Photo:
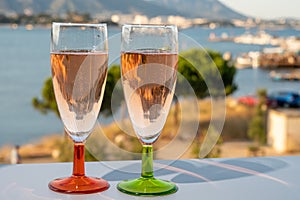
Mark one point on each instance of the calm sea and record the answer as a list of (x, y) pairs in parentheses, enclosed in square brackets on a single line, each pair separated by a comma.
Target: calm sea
[(24, 65)]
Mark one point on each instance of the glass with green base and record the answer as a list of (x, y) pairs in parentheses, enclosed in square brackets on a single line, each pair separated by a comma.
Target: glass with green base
[(149, 56), (147, 185)]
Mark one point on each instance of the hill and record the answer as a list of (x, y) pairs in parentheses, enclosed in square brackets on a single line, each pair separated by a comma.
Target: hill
[(211, 9)]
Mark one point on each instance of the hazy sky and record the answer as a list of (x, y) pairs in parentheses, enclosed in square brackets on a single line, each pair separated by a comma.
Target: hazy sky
[(266, 9)]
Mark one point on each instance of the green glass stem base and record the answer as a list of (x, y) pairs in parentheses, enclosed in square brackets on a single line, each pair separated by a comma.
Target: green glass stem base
[(147, 187)]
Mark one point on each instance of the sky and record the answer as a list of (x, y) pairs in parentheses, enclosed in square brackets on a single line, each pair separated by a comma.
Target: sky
[(266, 9)]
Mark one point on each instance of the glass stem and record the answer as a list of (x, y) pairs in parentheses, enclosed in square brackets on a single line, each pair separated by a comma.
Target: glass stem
[(147, 161), (78, 161)]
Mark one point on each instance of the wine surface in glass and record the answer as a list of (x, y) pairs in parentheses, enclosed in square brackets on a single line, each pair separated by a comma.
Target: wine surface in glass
[(79, 80), (149, 78)]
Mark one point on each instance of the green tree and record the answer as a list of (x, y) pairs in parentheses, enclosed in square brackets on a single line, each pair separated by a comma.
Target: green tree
[(113, 77), (195, 64), (257, 126), (47, 102), (201, 68)]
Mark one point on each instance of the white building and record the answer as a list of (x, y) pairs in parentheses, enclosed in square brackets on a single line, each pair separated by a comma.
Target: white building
[(283, 130)]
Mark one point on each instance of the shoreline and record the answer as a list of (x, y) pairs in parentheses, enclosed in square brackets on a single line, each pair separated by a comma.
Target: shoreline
[(39, 151), (42, 151)]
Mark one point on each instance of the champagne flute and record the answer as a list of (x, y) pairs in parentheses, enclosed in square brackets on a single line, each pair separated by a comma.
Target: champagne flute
[(149, 56), (79, 58)]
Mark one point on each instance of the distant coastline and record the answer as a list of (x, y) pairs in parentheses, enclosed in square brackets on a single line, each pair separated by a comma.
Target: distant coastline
[(45, 20)]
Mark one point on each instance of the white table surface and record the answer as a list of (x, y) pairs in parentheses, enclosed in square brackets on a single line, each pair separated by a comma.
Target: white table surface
[(267, 178)]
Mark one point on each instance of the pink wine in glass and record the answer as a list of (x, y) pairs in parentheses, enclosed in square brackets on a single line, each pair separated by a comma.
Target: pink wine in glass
[(149, 78), (79, 81)]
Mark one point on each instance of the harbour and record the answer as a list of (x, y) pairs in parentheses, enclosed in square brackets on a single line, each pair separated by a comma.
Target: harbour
[(276, 51)]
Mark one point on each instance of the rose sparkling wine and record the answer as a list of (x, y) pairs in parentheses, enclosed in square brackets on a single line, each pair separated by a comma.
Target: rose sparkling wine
[(79, 81), (149, 78)]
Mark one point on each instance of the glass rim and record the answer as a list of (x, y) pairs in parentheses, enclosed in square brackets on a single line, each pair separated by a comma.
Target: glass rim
[(150, 25), (79, 24)]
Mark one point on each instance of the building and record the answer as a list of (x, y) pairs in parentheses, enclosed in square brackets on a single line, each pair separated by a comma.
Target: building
[(283, 130)]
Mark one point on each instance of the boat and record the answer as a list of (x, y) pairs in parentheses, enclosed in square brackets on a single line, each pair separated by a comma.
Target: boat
[(248, 60), (287, 76), (261, 38), (243, 62)]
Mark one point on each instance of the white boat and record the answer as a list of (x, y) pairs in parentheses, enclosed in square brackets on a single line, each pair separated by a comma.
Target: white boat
[(248, 60), (243, 62)]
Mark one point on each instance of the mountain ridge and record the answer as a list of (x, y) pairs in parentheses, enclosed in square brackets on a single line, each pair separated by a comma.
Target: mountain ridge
[(211, 9)]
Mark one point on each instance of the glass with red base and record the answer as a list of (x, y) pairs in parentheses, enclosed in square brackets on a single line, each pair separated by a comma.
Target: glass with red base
[(149, 56), (79, 57)]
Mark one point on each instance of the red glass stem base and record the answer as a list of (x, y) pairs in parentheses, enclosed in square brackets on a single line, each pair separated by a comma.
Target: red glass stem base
[(78, 183)]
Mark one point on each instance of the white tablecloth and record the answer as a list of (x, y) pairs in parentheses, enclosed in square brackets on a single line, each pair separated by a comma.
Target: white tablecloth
[(267, 178)]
